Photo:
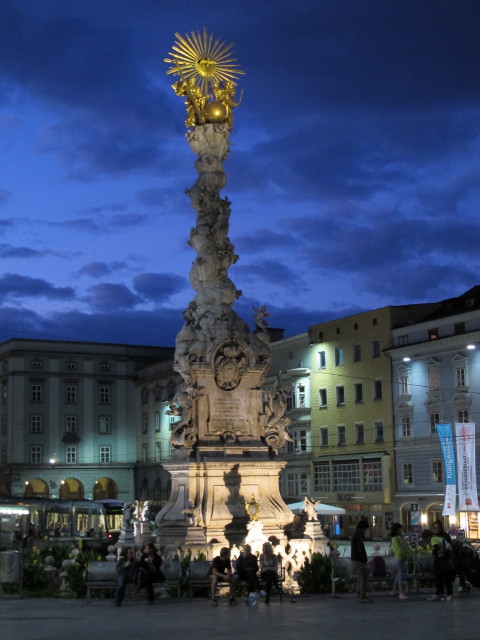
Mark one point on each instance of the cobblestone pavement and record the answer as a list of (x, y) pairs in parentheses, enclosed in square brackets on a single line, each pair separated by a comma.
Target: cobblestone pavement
[(303, 618)]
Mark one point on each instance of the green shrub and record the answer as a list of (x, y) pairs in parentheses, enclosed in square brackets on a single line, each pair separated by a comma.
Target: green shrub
[(316, 574)]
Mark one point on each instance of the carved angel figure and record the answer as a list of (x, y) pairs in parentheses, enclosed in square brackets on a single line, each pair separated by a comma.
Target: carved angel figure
[(194, 513), (260, 314), (310, 505), (226, 95)]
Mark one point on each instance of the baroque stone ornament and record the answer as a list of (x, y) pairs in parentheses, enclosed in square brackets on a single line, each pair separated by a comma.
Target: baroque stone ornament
[(230, 364)]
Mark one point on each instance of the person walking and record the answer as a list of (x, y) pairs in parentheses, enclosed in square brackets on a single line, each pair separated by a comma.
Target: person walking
[(402, 554), (359, 560)]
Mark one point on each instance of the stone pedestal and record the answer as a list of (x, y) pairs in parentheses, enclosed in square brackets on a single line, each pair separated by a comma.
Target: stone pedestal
[(313, 531), (221, 490)]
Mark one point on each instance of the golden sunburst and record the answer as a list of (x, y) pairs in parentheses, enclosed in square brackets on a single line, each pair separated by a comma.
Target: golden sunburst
[(207, 61)]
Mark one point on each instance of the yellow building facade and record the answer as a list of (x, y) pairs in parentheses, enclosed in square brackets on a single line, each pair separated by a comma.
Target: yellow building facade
[(352, 416)]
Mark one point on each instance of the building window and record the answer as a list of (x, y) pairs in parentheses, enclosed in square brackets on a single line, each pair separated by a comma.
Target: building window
[(71, 424), (71, 454), (35, 454), (323, 397), (377, 390), (158, 421), (339, 356), (358, 391), (297, 484), (324, 436), (321, 477), (402, 340), (346, 476), (4, 425), (435, 418), (71, 393), (406, 427), (375, 348), (372, 475), (462, 415), (104, 394), (103, 367), (459, 327), (340, 391), (300, 396), (4, 391), (144, 395), (105, 424), (36, 423), (460, 377), (145, 423), (437, 471), (322, 359), (407, 473), (289, 399), (158, 451), (433, 334), (404, 385), (299, 442), (357, 353), (342, 435), (36, 392), (157, 393), (144, 452), (71, 365), (433, 379), (360, 432), (37, 363), (105, 454), (379, 435)]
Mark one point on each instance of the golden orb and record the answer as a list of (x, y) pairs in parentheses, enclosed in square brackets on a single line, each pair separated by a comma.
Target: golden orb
[(215, 112)]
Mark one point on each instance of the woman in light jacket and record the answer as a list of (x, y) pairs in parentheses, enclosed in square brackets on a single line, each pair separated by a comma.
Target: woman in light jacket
[(402, 554)]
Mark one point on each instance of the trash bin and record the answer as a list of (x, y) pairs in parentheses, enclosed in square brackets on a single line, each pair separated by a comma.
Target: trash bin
[(11, 570)]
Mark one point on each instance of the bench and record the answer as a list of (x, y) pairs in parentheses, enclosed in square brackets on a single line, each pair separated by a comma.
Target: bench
[(342, 573), (100, 575), (103, 575), (199, 575)]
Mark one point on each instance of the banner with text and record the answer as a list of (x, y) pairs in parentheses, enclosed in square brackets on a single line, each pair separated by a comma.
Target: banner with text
[(446, 440), (467, 475)]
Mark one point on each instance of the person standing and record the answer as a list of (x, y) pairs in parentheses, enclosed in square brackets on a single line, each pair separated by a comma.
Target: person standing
[(402, 554), (443, 567), (359, 560)]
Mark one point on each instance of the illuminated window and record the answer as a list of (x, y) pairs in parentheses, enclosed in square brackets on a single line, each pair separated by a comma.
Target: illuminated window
[(407, 473), (321, 477), (437, 471), (346, 476), (340, 391), (71, 454), (338, 356)]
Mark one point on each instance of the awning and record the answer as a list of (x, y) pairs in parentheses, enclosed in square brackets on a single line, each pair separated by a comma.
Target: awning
[(352, 456), (321, 508)]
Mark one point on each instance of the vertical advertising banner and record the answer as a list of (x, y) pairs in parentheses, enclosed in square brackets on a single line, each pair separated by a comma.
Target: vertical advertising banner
[(467, 475), (446, 440)]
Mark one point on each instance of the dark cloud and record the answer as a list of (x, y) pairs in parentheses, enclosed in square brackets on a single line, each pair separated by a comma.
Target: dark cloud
[(7, 251), (106, 297), (17, 286), (262, 240), (270, 271), (158, 287), (101, 269)]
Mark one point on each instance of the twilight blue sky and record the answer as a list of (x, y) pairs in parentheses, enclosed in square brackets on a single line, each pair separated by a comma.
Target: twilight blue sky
[(354, 174)]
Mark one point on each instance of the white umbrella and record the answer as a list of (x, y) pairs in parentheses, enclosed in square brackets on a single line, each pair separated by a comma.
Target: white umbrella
[(321, 508)]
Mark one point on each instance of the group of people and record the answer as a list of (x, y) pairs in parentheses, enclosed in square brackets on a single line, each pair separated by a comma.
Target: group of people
[(147, 571), (438, 542), (247, 568), (143, 573)]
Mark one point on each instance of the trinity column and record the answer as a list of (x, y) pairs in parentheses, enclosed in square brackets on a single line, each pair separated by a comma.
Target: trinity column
[(228, 432)]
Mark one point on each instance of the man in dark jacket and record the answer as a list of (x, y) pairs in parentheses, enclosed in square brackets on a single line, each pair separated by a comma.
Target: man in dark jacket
[(359, 560), (247, 568)]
